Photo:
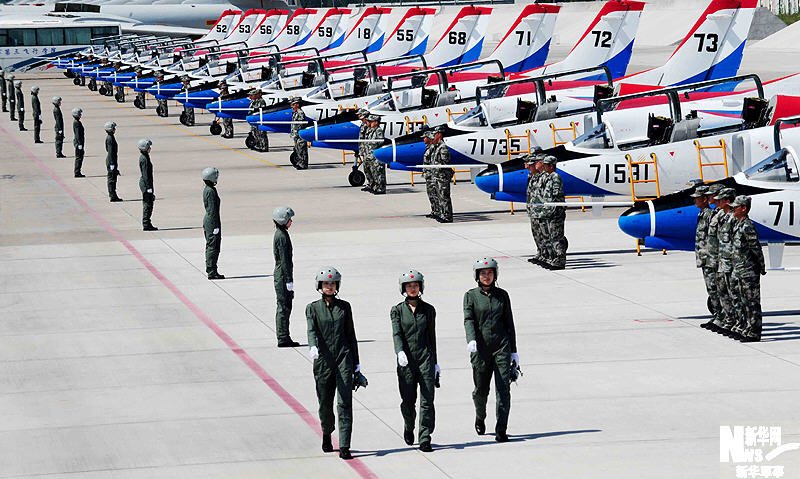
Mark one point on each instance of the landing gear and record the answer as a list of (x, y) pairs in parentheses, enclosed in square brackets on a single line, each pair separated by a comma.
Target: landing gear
[(356, 177), (215, 128)]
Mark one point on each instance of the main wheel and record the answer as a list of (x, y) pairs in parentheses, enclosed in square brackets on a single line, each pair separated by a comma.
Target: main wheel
[(184, 119), (215, 128), (293, 159), (137, 102), (250, 142), (103, 91), (356, 178), (76, 81)]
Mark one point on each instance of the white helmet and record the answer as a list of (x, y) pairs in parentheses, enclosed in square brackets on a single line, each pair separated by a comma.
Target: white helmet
[(211, 174), (110, 126), (77, 112), (18, 84), (484, 263), (411, 276), (35, 90), (282, 215), (144, 144), (328, 274), (56, 100)]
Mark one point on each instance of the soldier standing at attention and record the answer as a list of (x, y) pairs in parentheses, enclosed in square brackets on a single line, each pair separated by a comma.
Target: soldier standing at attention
[(300, 146), (12, 103), (227, 123), (3, 89), (362, 114), (414, 334), (78, 141), (162, 107), (212, 226), (58, 127), (719, 228), (112, 164), (552, 191), (492, 344), (146, 183), (257, 103), (534, 208), (440, 156), (700, 196), (283, 275), (20, 105), (427, 173), (187, 116), (748, 266), (36, 108), (374, 135), (333, 346)]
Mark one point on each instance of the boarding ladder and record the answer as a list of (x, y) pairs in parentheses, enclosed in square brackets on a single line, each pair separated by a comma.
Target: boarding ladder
[(573, 127), (634, 179), (451, 114), (701, 164)]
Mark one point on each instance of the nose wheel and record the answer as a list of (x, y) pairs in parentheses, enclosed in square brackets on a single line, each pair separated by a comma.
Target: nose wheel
[(356, 177)]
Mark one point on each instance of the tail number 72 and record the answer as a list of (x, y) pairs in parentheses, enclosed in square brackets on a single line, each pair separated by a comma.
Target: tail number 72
[(602, 38)]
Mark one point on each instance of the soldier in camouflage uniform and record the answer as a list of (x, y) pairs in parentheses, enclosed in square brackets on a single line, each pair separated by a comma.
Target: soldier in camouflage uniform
[(700, 196), (720, 227), (375, 135), (36, 109), (427, 138), (534, 207), (362, 114), (227, 123), (162, 108), (748, 265), (119, 93), (552, 191), (257, 103), (711, 251), (187, 116), (58, 127), (300, 146), (140, 101), (441, 178)]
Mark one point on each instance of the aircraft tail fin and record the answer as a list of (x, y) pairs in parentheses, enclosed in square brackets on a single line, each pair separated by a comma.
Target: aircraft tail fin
[(462, 40), (526, 44), (408, 36)]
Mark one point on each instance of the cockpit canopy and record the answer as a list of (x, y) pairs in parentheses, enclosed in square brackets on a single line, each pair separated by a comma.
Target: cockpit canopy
[(780, 167)]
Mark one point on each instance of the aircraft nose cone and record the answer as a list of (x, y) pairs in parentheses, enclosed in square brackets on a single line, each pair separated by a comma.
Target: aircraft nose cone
[(307, 134), (488, 180), (338, 131), (636, 221), (276, 121), (406, 153), (236, 109), (165, 91), (197, 99)]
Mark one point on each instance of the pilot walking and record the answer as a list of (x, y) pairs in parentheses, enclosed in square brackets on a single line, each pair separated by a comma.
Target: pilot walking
[(414, 336), (146, 183), (374, 135), (535, 209), (78, 141), (333, 347), (58, 127), (701, 255), (440, 177), (36, 109), (112, 161), (20, 105), (212, 225), (492, 344), (283, 275), (748, 266), (552, 191), (299, 122)]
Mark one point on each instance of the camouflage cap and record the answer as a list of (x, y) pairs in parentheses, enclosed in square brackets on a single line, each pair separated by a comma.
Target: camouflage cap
[(726, 193), (439, 129), (530, 159), (294, 99), (373, 118), (699, 191), (254, 91), (428, 134), (741, 200), (713, 190), (549, 160)]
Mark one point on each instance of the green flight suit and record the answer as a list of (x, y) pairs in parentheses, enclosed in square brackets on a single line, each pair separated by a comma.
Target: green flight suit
[(112, 167), (284, 273), (12, 102), (146, 186), (36, 109), (58, 129), (489, 322), (331, 331), (211, 222), (21, 109), (78, 141), (3, 90), (415, 335)]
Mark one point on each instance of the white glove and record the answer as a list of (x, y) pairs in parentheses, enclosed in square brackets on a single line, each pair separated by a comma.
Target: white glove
[(112, 168), (215, 232), (472, 347), (150, 190), (437, 369), (358, 367), (80, 147), (60, 132), (22, 109), (515, 358), (402, 360), (290, 286), (313, 352)]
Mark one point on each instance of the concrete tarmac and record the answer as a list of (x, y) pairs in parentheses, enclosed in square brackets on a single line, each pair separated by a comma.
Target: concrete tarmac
[(119, 359)]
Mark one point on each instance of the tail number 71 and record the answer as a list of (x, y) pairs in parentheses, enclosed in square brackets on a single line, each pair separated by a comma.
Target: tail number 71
[(780, 206)]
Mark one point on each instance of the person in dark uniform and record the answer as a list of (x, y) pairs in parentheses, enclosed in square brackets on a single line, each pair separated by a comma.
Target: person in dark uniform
[(187, 115), (58, 127), (300, 145), (112, 161), (78, 141), (492, 344), (283, 275), (333, 346), (227, 122), (414, 335), (146, 183), (3, 89), (12, 102), (36, 109), (212, 226), (20, 105)]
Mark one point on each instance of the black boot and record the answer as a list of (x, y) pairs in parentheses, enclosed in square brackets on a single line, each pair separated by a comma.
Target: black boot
[(425, 446), (344, 453), (408, 436), (501, 437), (327, 445), (288, 343), (480, 427)]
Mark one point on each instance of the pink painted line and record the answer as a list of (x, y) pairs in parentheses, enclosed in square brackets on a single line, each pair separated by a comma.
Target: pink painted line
[(357, 465)]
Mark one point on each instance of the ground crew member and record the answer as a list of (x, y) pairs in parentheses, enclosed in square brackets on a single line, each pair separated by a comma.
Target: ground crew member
[(257, 103), (333, 346), (227, 123), (58, 127), (112, 164), (362, 114), (748, 265), (140, 100), (719, 227), (119, 91), (36, 108), (162, 107), (427, 138), (3, 89), (535, 211), (299, 122), (187, 116), (78, 141), (441, 177), (700, 196), (374, 134), (492, 344), (552, 191), (414, 335), (283, 275), (20, 105), (212, 226), (12, 102), (146, 183)]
